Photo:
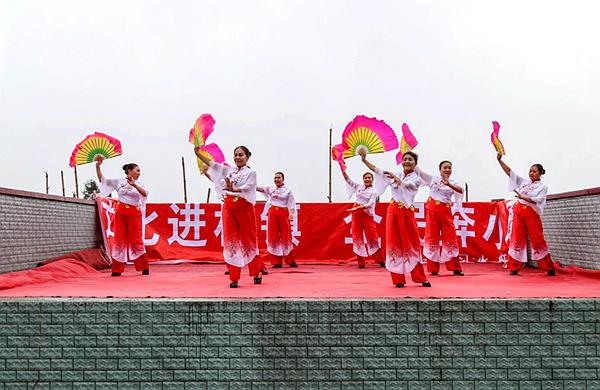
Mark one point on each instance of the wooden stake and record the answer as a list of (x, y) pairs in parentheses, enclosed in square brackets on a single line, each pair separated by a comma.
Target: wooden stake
[(208, 196), (184, 181), (466, 192), (62, 180), (47, 186), (76, 182)]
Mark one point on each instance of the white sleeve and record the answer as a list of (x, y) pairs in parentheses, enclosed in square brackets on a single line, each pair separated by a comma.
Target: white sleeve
[(412, 184), (248, 189), (263, 189), (107, 186), (372, 201), (351, 187), (381, 181), (540, 197), (514, 181), (143, 188), (426, 177), (291, 203), (217, 172)]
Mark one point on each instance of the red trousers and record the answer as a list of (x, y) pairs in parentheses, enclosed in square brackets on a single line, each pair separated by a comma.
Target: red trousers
[(239, 235), (403, 246), (441, 245), (128, 243), (254, 268), (279, 231), (417, 275), (526, 220), (365, 241)]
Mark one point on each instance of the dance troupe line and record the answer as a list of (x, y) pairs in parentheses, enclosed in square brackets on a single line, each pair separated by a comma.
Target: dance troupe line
[(237, 186)]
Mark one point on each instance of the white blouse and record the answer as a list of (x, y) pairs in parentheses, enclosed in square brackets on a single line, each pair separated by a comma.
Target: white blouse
[(437, 189), (402, 193), (126, 193), (279, 197), (243, 178), (366, 196), (535, 190)]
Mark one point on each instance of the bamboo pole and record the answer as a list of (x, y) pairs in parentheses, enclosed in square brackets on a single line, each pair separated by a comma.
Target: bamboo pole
[(184, 180), (76, 182), (329, 159), (62, 180)]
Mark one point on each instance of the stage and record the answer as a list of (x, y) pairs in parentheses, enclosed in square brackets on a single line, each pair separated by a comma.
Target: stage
[(308, 281)]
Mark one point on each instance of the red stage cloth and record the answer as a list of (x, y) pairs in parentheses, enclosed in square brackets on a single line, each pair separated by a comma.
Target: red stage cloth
[(200, 280)]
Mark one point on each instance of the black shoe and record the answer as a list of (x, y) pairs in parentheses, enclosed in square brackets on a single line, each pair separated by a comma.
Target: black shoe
[(426, 284), (514, 272), (434, 273), (264, 271), (458, 273), (294, 265), (257, 280), (146, 272), (382, 264), (115, 274), (226, 272), (399, 285), (233, 285), (278, 266), (552, 273), (361, 266)]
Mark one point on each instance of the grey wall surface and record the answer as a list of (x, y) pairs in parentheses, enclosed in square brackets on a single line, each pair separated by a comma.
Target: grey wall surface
[(572, 227), (358, 344), (36, 227)]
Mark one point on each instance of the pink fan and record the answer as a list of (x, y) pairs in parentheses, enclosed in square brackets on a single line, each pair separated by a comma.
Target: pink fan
[(337, 154), (407, 143), (203, 127), (370, 134), (213, 153)]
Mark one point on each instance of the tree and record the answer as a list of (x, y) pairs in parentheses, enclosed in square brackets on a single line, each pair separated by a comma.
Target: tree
[(89, 188)]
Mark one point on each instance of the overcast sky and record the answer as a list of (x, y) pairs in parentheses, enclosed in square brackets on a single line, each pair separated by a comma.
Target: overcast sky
[(276, 75)]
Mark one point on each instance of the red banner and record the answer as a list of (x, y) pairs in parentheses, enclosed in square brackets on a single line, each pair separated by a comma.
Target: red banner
[(321, 231)]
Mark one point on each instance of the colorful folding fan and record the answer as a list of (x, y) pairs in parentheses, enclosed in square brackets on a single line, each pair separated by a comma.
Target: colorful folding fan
[(94, 145), (370, 134), (204, 125), (495, 140), (213, 153), (407, 143)]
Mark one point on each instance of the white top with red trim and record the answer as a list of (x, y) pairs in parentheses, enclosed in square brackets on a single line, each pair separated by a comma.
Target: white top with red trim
[(437, 189), (279, 196), (243, 178), (402, 193), (536, 190), (126, 192), (365, 196)]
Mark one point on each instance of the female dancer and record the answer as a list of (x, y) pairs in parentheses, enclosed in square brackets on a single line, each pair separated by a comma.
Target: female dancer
[(531, 199), (439, 221), (403, 252), (365, 241), (282, 208), (129, 243), (239, 220)]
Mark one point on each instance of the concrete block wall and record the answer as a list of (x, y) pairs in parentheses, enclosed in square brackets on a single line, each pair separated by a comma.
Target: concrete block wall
[(36, 227), (572, 227), (317, 344)]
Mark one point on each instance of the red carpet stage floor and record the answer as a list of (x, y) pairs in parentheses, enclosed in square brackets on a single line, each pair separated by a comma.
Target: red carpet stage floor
[(201, 280)]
